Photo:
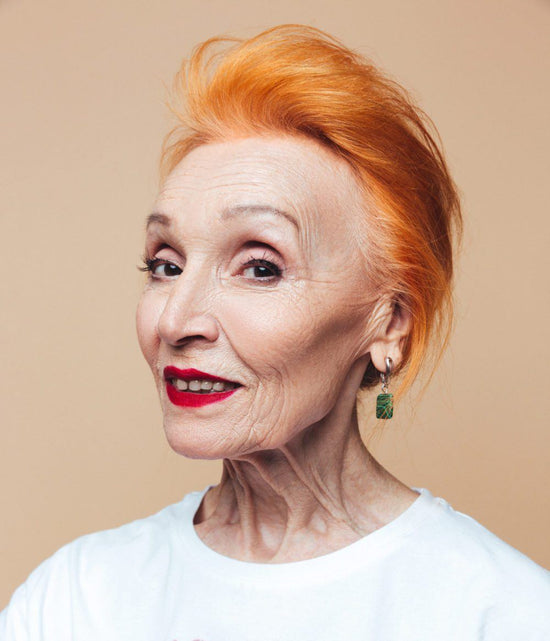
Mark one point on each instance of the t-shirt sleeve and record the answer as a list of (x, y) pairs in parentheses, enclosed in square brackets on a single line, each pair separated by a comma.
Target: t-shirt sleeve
[(513, 627), (40, 608), (13, 619), (523, 608)]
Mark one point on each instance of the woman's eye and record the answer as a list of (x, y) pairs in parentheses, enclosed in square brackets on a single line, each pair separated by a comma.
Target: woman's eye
[(261, 269), (161, 268), (166, 270)]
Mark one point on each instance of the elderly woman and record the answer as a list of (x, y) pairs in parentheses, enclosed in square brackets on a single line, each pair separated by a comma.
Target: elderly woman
[(300, 251)]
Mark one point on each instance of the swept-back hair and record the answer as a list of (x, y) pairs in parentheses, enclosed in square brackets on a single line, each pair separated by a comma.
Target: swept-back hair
[(296, 80)]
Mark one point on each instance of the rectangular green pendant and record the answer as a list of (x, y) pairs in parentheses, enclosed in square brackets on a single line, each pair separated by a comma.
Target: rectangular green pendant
[(384, 406)]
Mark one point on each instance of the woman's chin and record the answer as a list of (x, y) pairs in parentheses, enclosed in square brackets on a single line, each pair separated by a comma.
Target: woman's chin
[(199, 443)]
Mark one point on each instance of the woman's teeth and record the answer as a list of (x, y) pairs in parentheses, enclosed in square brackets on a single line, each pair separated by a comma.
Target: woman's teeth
[(202, 386)]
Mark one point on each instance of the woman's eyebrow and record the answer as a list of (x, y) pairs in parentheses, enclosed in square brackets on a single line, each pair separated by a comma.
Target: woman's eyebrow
[(155, 217), (258, 209), (163, 219)]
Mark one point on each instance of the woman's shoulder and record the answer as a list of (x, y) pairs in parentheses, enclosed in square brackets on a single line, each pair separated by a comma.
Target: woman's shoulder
[(102, 563), (125, 542), (464, 537), (459, 566), (484, 561)]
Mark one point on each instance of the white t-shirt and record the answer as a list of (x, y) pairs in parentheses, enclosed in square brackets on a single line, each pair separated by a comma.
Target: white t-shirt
[(432, 574)]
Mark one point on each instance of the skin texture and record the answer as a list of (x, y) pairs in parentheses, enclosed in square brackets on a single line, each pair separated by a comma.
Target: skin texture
[(297, 481)]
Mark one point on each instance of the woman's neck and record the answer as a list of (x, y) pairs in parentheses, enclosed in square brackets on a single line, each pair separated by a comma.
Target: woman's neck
[(316, 494)]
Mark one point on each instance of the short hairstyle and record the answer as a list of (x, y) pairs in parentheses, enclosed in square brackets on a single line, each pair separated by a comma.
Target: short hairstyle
[(297, 80)]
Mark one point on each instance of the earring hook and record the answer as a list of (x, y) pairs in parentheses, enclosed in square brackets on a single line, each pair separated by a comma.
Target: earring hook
[(385, 377)]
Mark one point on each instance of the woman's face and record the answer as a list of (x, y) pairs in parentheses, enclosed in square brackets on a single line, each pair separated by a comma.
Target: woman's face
[(256, 278)]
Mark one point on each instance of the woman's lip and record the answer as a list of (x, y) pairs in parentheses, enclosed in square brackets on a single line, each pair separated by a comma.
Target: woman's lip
[(190, 374)]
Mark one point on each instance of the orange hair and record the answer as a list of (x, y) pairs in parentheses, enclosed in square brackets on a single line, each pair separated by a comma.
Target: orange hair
[(297, 80)]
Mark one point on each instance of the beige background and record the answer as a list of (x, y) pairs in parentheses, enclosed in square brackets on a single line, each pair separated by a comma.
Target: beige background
[(82, 116)]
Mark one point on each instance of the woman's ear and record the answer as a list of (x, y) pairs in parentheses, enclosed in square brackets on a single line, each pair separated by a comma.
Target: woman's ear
[(394, 326)]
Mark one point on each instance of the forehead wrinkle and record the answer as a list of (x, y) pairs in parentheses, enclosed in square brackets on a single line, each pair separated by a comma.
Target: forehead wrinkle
[(236, 194), (254, 209)]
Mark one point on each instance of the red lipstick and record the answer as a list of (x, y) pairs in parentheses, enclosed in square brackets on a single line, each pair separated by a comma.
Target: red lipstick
[(185, 398)]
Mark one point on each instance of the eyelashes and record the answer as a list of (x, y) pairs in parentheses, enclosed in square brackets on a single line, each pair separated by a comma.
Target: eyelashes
[(262, 269), (146, 264)]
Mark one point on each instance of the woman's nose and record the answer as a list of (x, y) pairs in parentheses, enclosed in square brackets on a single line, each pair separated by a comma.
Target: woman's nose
[(186, 316)]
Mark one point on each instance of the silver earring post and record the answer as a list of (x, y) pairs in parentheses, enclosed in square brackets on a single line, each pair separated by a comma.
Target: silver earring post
[(385, 377)]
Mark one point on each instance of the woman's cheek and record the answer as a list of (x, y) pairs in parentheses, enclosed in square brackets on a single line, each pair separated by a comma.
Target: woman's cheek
[(147, 315), (262, 326)]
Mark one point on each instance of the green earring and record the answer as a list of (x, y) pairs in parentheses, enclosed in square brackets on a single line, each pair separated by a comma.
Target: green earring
[(384, 401)]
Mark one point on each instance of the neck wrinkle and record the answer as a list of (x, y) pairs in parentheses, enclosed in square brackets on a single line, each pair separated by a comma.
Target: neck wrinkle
[(272, 500)]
